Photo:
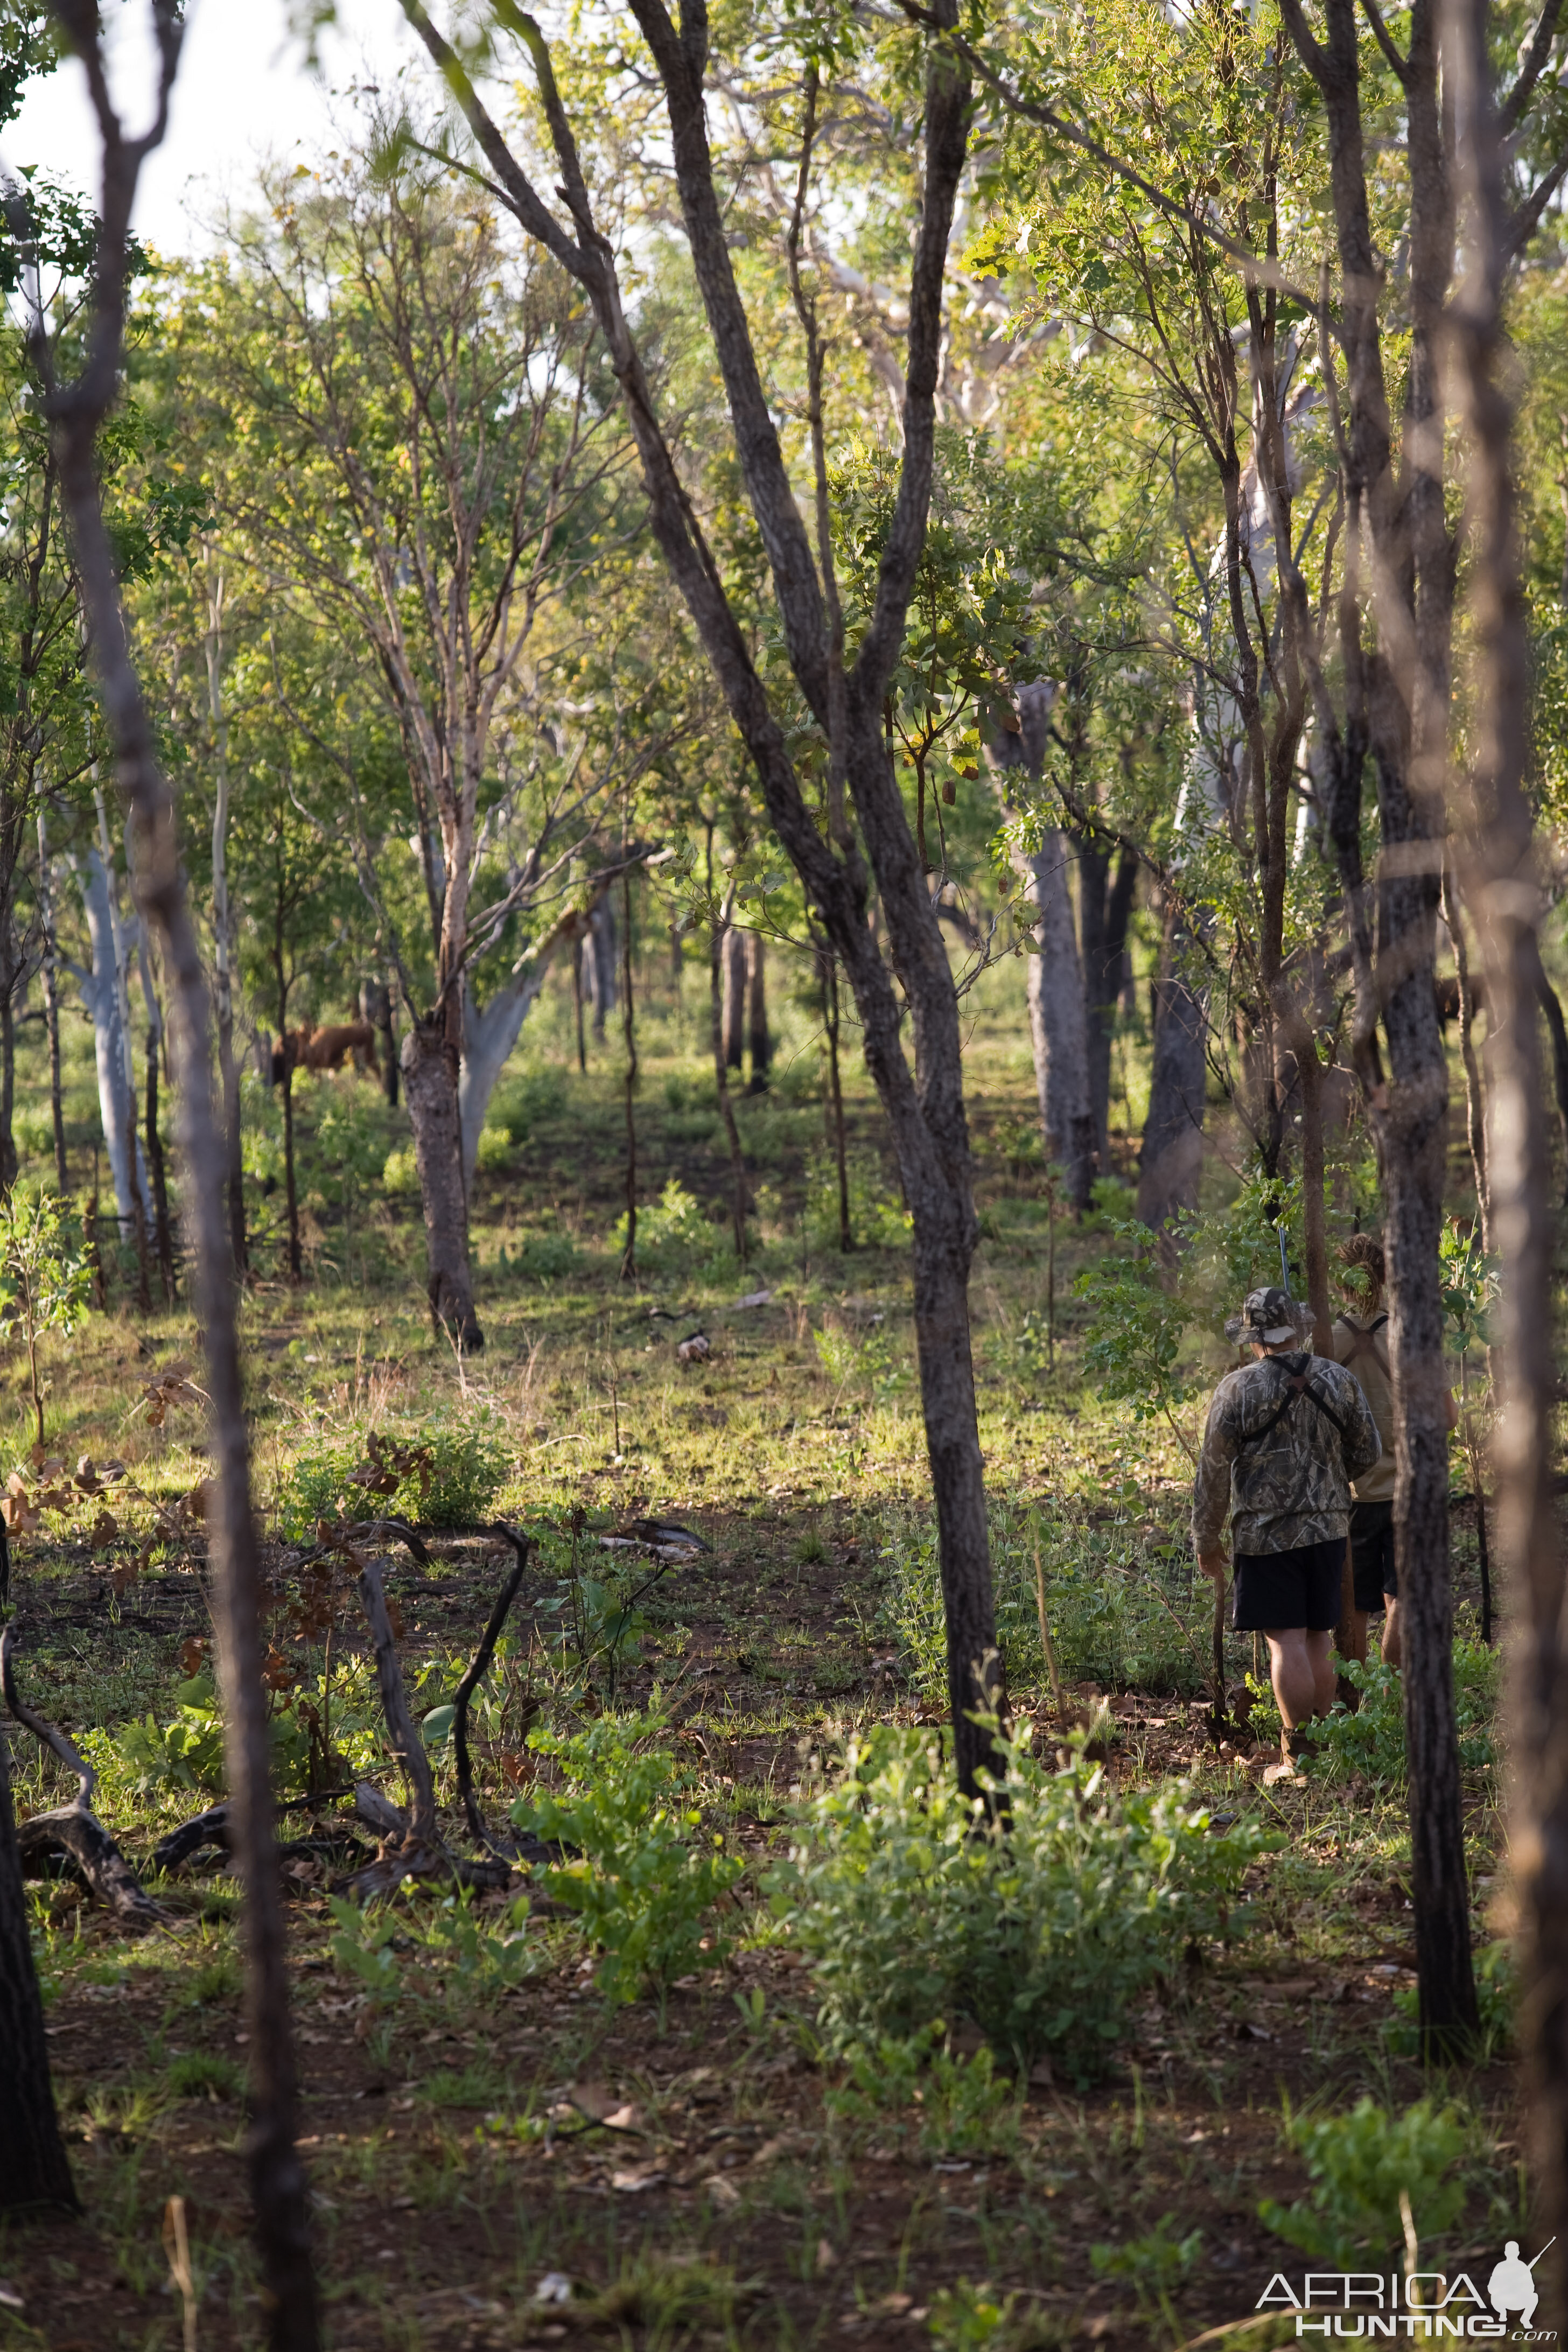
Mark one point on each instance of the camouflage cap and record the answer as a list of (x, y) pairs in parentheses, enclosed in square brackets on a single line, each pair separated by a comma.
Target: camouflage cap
[(1269, 1317)]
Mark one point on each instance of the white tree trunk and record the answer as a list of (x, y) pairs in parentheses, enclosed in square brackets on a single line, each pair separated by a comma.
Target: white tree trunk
[(488, 1040), (1058, 1026), (100, 998)]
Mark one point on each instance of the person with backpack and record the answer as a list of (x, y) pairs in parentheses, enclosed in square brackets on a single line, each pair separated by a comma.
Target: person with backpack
[(1361, 1344), (1285, 1435)]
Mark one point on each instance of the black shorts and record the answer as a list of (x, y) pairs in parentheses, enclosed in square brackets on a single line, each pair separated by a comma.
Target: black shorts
[(1372, 1554), (1275, 1590)]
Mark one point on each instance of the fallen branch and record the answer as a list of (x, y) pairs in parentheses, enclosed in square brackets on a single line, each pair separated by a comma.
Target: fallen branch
[(411, 1843), (211, 1829), (476, 1669), (74, 1830)]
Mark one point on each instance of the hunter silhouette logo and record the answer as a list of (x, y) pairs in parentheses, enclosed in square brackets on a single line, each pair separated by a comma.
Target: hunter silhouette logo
[(1511, 2289), (1423, 2306)]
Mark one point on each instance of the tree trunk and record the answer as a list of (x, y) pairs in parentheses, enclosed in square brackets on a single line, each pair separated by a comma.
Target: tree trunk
[(1502, 889), (228, 1074), (1104, 912), (734, 1007), (101, 997), (719, 937), (629, 1255), (162, 1229), (430, 1089), (76, 413), (160, 1177), (1173, 1155), (924, 1103), (758, 1042), (489, 1036), (33, 2168), (9, 1163), (1057, 1030), (290, 1184), (1558, 1033), (51, 978), (376, 1007), (600, 948), (1475, 1107)]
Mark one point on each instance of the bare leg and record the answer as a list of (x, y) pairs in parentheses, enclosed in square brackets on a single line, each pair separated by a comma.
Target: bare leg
[(1320, 1656), (1292, 1676), (1392, 1639)]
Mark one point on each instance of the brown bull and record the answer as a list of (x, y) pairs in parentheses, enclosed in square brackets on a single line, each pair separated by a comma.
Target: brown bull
[(326, 1048)]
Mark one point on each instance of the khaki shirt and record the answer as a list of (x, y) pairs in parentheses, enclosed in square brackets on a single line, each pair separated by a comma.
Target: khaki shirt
[(1365, 1350), (1283, 1475)]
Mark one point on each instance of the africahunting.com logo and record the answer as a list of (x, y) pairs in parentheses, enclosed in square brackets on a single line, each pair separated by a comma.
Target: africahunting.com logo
[(1431, 2307)]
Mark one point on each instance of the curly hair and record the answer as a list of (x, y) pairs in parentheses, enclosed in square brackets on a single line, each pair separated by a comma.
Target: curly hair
[(1362, 1253)]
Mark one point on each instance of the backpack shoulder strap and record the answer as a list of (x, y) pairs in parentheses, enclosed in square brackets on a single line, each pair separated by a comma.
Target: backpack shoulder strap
[(1364, 1342)]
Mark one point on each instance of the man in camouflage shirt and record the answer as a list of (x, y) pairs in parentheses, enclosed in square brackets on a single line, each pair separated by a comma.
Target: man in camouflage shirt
[(1285, 1435)]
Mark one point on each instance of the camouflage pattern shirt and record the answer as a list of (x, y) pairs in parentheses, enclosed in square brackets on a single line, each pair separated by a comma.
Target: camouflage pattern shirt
[(1278, 1463)]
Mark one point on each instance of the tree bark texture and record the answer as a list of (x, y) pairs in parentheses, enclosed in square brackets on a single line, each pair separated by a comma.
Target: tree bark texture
[(1105, 907), (34, 2169), (430, 1089), (758, 1045), (100, 999), (1058, 1031), (924, 1104), (76, 410), (629, 1027), (599, 957), (719, 938), (375, 1007), (1170, 1165), (223, 978), (50, 961)]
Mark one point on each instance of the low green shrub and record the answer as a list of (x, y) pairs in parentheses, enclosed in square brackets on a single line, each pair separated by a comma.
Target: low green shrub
[(878, 1217), (196, 2073), (539, 1256), (494, 1151), (920, 2089), (1357, 2165), (439, 1478), (1125, 1605), (1371, 1741), (915, 1906), (643, 1880), (673, 1231), (450, 1940), (1497, 1997)]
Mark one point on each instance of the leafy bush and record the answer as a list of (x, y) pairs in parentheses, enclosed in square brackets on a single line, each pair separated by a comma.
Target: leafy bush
[(450, 1938), (673, 1231), (920, 2089), (494, 1152), (878, 1217), (1372, 1739), (915, 1906), (441, 1477), (1153, 2263), (642, 1881), (540, 1256), (400, 1174), (1357, 2165)]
